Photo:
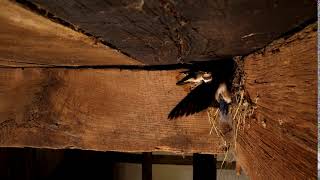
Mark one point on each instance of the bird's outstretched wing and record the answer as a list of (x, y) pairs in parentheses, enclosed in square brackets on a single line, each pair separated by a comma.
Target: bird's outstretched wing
[(197, 100)]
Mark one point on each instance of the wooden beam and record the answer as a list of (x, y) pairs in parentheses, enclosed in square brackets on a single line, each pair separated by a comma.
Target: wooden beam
[(147, 166), (116, 110), (204, 167), (165, 31), (280, 141), (28, 39), (171, 159)]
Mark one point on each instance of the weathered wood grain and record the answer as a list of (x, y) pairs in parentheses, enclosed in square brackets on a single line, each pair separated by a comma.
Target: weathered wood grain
[(280, 142), (98, 109), (27, 39), (164, 31)]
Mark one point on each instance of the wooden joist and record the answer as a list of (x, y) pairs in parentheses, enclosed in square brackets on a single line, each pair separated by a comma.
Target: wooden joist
[(147, 166), (28, 39), (166, 31), (98, 109), (204, 167), (280, 141)]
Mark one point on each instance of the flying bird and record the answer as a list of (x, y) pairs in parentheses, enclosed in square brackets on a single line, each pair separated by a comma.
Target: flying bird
[(213, 84)]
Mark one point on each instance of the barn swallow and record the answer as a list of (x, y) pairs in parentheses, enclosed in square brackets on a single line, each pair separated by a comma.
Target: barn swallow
[(213, 89)]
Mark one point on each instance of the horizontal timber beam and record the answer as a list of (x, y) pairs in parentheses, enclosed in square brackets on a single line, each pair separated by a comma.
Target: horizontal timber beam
[(28, 39), (167, 32), (98, 109)]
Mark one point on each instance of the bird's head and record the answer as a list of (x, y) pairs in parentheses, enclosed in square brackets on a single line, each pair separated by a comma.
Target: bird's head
[(207, 77), (223, 97), (223, 94)]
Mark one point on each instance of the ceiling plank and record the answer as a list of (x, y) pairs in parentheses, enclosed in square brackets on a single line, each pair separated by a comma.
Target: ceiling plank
[(168, 32), (28, 39)]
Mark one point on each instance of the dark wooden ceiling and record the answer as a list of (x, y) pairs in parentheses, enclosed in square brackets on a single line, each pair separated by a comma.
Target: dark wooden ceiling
[(171, 31)]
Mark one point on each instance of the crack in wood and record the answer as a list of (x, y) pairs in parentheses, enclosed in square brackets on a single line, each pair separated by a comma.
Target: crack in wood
[(177, 35)]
